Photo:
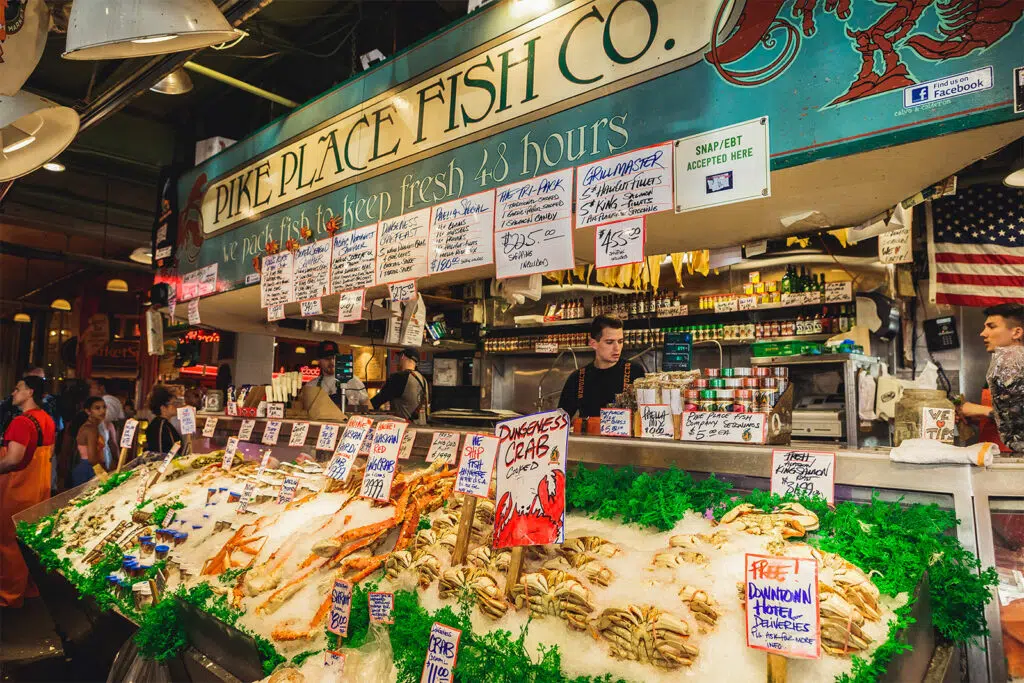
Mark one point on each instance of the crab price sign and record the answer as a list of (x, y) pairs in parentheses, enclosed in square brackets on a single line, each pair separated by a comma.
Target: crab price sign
[(476, 465), (341, 608), (531, 479), (382, 607), (444, 447), (383, 459), (442, 653), (348, 448), (782, 605)]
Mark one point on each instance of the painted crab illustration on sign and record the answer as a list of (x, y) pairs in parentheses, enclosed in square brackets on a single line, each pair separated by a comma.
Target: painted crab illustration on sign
[(964, 26)]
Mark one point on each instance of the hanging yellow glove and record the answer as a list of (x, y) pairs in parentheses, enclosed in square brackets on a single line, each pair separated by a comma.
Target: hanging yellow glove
[(678, 258), (802, 241), (654, 270), (841, 234), (700, 262)]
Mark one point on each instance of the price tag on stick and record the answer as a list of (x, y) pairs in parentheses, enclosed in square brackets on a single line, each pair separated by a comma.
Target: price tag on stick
[(298, 435), (616, 422), (327, 438), (271, 432), (476, 465), (442, 653), (245, 431), (381, 465), (288, 489), (782, 605), (341, 608), (187, 419), (128, 434), (444, 447), (382, 607), (229, 453), (210, 427), (804, 473)]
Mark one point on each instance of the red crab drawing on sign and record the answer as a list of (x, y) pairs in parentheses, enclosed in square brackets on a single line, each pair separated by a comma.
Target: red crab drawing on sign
[(964, 25), (540, 523), (190, 222)]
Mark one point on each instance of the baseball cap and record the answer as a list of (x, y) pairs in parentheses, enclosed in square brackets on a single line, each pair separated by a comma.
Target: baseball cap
[(411, 353), (326, 348)]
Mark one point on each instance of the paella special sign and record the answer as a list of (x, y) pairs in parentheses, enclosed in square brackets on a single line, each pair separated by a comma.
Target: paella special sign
[(531, 479), (570, 52)]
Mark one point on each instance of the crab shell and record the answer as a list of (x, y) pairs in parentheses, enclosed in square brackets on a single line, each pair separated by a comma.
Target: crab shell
[(702, 606), (556, 593), (489, 597), (675, 558), (841, 637), (647, 635)]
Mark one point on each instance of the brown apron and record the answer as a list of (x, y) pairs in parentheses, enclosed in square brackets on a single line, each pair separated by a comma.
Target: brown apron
[(592, 425)]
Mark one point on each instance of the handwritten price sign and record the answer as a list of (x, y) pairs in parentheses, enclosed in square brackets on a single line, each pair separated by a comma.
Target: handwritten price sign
[(298, 435), (187, 419), (209, 427), (350, 306), (288, 489), (442, 653), (782, 605), (271, 433), (382, 607), (310, 308), (656, 421), (229, 453), (407, 443), (170, 456), (245, 431), (804, 473), (247, 495), (128, 435), (402, 291), (275, 313), (476, 465), (380, 466), (193, 313), (444, 447), (327, 438), (616, 422), (348, 448), (619, 244), (725, 427), (341, 608)]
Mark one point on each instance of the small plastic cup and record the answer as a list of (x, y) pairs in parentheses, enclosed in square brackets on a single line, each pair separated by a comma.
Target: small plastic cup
[(161, 551)]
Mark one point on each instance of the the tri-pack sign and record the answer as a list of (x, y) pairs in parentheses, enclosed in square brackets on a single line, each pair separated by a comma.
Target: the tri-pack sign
[(950, 86)]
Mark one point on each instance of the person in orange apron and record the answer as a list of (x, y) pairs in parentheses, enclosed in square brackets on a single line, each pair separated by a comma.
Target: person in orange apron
[(24, 482)]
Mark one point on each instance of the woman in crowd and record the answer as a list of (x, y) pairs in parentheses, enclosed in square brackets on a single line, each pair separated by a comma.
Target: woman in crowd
[(161, 434), (93, 442)]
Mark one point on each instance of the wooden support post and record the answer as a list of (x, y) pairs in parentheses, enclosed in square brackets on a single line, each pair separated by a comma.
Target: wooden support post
[(776, 668), (187, 445), (121, 458), (466, 518), (515, 567)]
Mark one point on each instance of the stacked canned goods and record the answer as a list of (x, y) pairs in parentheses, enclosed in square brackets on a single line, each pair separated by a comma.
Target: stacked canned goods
[(736, 390)]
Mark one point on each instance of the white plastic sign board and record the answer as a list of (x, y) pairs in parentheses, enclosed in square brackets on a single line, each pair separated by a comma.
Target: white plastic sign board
[(838, 292), (193, 313), (210, 427), (725, 427), (353, 259), (341, 607), (533, 226), (619, 243), (462, 233), (723, 166), (288, 489), (476, 465), (782, 605), (624, 186), (276, 280), (131, 425), (271, 432), (275, 313), (229, 453), (937, 424), (442, 653), (245, 431), (327, 438), (444, 447), (656, 421), (310, 308), (616, 422), (895, 246), (531, 479), (804, 473), (382, 607), (405, 450), (402, 291), (350, 305), (383, 459), (298, 435), (402, 247), (312, 270), (187, 419)]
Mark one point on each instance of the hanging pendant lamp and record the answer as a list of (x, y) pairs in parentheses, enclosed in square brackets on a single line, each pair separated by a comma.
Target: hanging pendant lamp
[(121, 29), (178, 82), (22, 318), (117, 285), (60, 305), (33, 130)]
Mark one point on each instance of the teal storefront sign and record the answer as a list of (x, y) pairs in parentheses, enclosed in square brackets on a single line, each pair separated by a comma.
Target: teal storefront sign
[(501, 97)]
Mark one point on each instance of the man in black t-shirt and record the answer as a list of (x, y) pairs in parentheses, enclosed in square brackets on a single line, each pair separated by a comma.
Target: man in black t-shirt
[(603, 378)]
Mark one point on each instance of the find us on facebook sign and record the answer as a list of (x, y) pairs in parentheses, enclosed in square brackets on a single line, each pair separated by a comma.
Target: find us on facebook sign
[(950, 86)]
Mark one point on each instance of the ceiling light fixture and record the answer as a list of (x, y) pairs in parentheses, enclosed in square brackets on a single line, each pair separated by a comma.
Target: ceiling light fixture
[(142, 255), (117, 285), (300, 349), (22, 318), (54, 166), (122, 29), (1015, 178), (33, 131), (177, 82), (60, 305)]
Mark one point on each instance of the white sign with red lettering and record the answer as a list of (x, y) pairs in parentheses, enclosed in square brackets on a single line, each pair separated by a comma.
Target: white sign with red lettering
[(383, 459), (476, 465)]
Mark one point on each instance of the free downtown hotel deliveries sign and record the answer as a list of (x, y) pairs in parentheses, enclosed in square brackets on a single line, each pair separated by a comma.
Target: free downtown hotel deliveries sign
[(500, 98)]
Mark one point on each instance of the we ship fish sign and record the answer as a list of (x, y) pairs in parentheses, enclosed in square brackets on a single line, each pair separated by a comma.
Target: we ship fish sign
[(782, 605)]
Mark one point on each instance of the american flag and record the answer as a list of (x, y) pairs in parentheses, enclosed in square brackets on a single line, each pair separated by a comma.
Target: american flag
[(976, 247)]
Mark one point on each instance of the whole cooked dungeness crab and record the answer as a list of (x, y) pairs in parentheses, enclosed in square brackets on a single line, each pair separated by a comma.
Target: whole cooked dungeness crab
[(554, 592), (790, 520), (648, 635)]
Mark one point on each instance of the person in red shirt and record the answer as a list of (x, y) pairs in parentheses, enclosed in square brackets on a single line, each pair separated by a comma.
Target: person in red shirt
[(24, 482)]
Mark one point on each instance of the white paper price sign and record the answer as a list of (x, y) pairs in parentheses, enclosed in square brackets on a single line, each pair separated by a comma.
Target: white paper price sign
[(804, 473), (383, 459), (838, 292), (746, 303), (229, 453), (275, 313), (334, 663), (170, 456), (656, 421), (442, 653), (624, 186), (545, 347), (247, 495), (348, 448), (350, 306), (533, 225), (727, 305), (128, 435), (210, 427), (402, 291), (310, 307), (476, 465), (288, 489), (462, 233), (187, 419), (408, 439), (245, 431), (271, 432), (193, 312), (937, 424), (327, 438), (382, 607), (298, 435), (616, 422), (782, 605), (341, 608), (231, 408), (444, 447), (725, 427), (620, 243), (275, 410)]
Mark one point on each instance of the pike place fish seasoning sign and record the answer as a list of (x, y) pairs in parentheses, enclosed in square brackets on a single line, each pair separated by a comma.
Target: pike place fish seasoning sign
[(804, 473), (723, 166), (476, 465), (782, 605), (383, 459), (442, 653), (616, 422)]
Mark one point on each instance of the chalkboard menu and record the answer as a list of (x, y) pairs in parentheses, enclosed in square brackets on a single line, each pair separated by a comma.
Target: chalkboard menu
[(678, 347)]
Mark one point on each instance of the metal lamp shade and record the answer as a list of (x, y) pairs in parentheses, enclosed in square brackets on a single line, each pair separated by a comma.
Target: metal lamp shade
[(121, 29), (24, 116), (175, 83)]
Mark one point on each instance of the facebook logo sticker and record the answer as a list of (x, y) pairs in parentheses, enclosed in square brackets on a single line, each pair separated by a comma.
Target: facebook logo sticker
[(919, 94)]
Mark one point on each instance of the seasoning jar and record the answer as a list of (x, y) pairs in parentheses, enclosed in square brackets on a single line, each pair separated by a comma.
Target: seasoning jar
[(766, 398), (762, 371), (733, 382), (716, 383), (751, 383), (707, 402), (713, 372), (741, 372), (780, 371), (700, 383), (744, 402), (910, 412), (691, 400), (727, 372), (725, 398)]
